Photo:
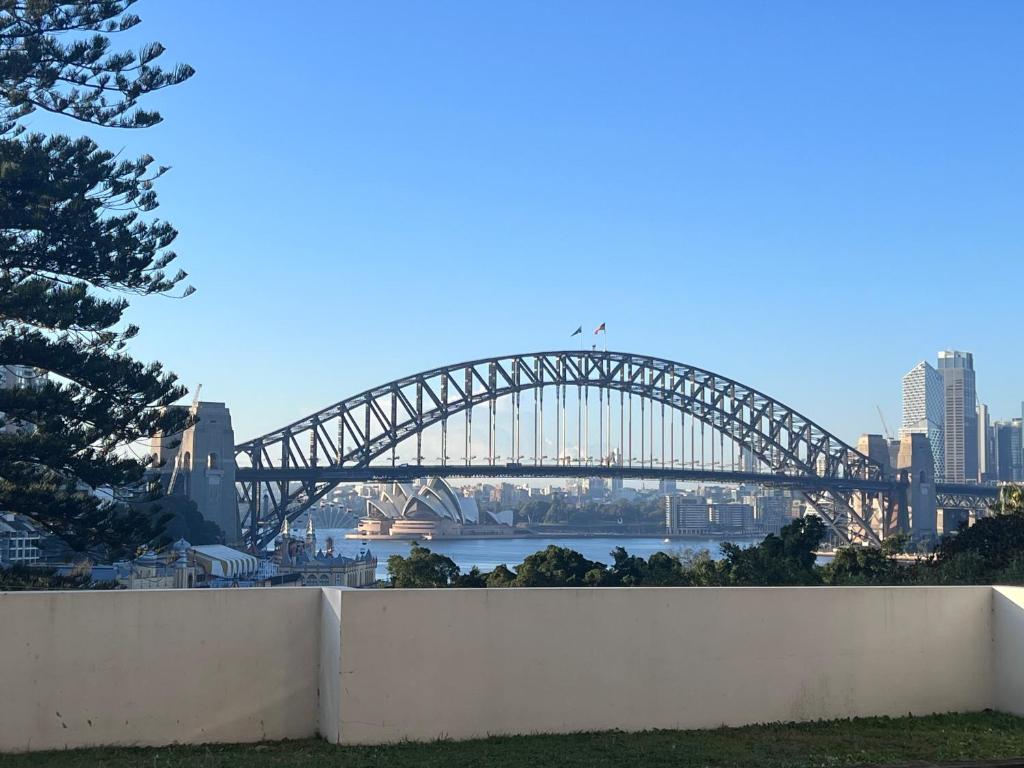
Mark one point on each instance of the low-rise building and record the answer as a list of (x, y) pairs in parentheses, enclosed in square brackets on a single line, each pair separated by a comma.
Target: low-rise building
[(19, 540), (303, 561)]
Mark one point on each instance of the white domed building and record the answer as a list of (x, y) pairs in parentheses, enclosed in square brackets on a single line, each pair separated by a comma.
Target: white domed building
[(431, 510)]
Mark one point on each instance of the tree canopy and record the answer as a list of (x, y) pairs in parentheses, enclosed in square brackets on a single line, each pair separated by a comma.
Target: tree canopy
[(77, 238), (422, 568), (991, 551)]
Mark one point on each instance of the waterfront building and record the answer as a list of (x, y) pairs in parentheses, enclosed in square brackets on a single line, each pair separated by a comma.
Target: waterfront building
[(960, 416), (300, 561), (732, 517), (771, 511), (430, 510), (686, 515), (295, 562), (172, 569), (924, 410), (184, 566)]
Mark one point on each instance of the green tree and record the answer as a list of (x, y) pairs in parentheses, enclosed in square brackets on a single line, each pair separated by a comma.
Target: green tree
[(534, 510), (666, 570), (629, 570), (788, 558), (556, 512), (421, 569), (852, 566), (472, 580), (558, 567), (701, 569), (989, 551), (23, 577), (77, 237), (180, 518), (500, 577), (1010, 501)]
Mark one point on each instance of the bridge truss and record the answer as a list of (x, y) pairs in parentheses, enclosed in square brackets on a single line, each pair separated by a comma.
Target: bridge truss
[(564, 413)]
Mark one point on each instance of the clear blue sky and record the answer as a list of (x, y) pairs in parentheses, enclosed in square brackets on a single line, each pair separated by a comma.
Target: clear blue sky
[(809, 197)]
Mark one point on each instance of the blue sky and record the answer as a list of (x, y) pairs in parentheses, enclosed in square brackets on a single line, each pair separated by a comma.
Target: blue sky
[(808, 197)]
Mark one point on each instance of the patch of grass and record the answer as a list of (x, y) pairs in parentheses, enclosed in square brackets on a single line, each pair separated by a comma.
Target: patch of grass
[(860, 742)]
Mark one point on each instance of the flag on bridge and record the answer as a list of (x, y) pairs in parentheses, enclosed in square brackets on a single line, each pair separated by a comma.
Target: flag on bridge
[(599, 329), (577, 332)]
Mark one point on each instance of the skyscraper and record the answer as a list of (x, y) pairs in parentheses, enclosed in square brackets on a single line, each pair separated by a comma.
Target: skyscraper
[(986, 459), (1006, 444), (924, 409), (960, 417)]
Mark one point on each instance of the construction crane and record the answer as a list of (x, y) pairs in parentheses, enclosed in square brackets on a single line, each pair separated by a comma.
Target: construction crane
[(177, 458), (885, 427)]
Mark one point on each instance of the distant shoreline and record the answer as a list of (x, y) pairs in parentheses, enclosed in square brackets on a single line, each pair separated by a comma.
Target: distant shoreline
[(559, 535)]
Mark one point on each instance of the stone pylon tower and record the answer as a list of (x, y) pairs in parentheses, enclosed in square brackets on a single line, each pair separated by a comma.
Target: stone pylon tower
[(207, 466), (917, 460)]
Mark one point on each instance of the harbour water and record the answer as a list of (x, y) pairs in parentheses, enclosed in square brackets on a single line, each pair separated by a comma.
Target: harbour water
[(486, 554)]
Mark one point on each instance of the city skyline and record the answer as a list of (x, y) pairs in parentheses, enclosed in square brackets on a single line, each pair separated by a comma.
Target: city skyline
[(725, 190)]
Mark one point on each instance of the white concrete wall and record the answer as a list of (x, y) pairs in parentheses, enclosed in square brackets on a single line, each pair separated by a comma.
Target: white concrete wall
[(329, 675), (80, 669), (466, 663), (1008, 649), (156, 667)]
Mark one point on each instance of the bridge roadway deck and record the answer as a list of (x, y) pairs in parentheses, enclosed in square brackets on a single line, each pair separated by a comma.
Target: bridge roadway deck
[(409, 472)]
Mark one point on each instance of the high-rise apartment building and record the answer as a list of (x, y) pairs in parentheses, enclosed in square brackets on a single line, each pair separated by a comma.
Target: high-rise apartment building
[(986, 459), (1006, 449), (924, 409), (686, 514), (960, 417)]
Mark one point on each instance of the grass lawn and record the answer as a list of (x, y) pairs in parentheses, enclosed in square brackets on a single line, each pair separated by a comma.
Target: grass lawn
[(868, 741)]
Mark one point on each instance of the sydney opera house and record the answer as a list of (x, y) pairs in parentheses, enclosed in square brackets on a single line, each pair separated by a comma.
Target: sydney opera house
[(428, 511)]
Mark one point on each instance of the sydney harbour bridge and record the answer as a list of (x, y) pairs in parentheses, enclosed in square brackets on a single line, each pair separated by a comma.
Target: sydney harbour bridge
[(582, 413)]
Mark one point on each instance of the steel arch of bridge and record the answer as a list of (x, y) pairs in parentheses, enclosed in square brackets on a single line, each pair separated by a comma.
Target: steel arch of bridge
[(302, 461)]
